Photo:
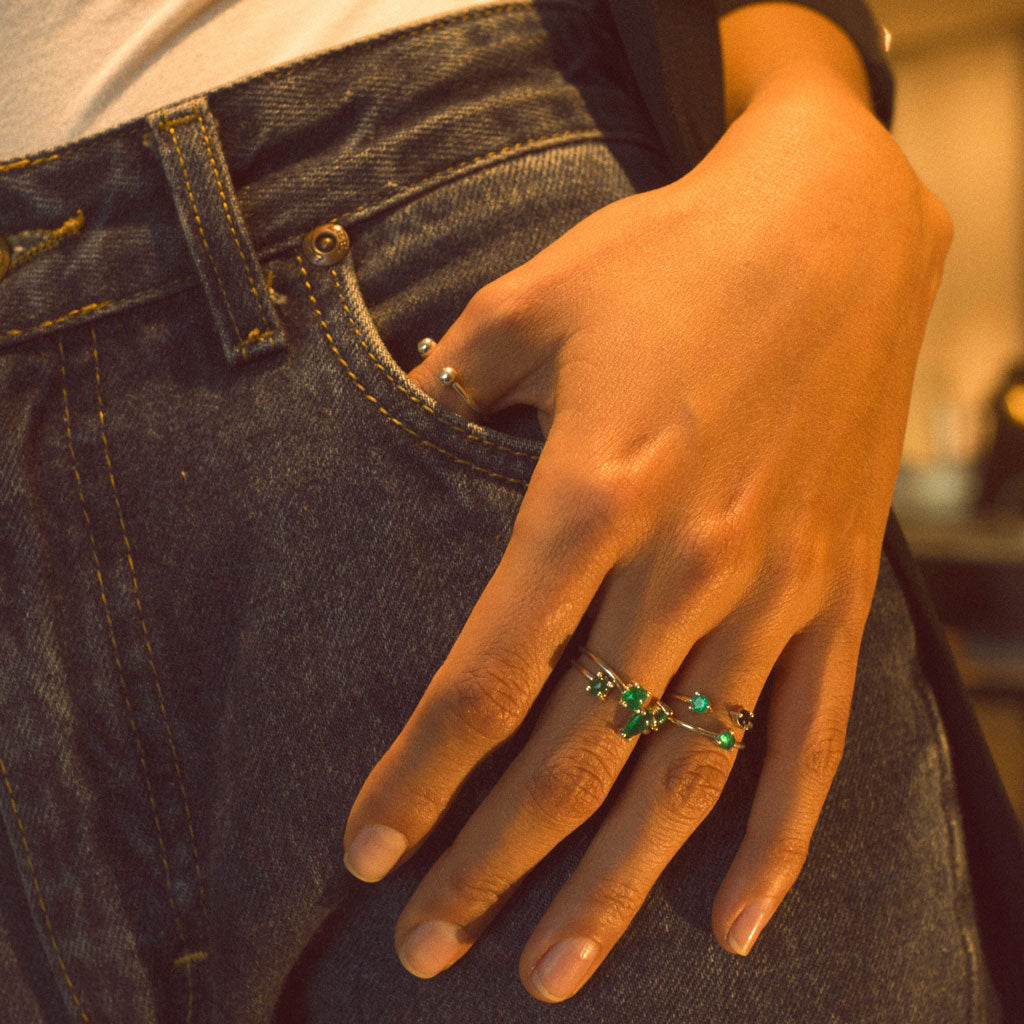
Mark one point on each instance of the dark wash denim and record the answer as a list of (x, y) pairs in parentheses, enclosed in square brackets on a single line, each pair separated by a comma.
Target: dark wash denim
[(236, 542)]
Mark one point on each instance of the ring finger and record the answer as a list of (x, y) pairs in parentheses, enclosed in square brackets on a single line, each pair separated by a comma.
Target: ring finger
[(676, 779)]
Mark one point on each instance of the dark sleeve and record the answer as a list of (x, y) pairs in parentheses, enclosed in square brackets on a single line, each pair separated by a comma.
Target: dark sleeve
[(856, 20)]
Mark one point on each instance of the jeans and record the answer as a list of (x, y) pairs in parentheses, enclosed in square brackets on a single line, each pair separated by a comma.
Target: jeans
[(236, 542)]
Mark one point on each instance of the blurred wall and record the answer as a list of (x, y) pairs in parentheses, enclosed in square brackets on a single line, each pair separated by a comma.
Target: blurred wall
[(960, 120)]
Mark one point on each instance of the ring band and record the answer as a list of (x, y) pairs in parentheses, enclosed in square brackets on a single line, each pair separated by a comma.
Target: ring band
[(649, 715), (450, 379), (448, 375), (725, 739)]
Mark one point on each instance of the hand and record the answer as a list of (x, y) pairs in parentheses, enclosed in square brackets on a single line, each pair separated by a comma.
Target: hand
[(722, 369)]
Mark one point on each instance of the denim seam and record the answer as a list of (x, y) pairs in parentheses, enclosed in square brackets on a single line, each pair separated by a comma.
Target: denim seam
[(39, 892), (52, 238), (117, 659), (581, 135), (168, 126), (584, 135), (406, 391), (376, 402), (15, 165), (231, 225), (94, 307), (145, 629)]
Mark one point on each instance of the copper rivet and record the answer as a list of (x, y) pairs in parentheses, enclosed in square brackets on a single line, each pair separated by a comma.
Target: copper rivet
[(326, 245), (5, 257)]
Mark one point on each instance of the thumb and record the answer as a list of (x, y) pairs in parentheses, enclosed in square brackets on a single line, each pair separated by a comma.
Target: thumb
[(486, 362)]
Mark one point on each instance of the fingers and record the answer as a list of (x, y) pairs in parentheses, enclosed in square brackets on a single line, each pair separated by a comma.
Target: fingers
[(493, 673), (676, 778), (560, 778), (806, 732)]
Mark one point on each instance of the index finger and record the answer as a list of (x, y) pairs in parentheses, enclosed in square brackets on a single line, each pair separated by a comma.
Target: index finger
[(550, 571)]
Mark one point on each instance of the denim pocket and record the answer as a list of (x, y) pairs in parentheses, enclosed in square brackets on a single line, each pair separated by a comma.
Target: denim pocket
[(416, 263)]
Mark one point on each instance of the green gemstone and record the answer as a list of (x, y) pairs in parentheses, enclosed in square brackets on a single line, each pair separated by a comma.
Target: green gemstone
[(600, 685), (639, 723), (658, 716), (699, 703), (635, 697), (726, 740)]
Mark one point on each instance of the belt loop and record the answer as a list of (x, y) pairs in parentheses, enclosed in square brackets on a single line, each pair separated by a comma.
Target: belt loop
[(193, 161)]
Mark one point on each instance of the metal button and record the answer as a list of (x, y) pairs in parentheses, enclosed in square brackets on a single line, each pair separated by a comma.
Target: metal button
[(326, 245), (5, 257)]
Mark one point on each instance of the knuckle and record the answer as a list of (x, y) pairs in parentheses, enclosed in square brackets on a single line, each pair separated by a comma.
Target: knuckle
[(788, 853), (505, 302), (691, 784), (570, 786), (475, 893), (821, 753), (595, 500), (491, 698), (715, 552), (616, 901), (801, 559)]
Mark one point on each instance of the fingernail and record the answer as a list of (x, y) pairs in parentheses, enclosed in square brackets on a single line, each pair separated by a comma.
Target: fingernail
[(563, 968), (374, 852), (430, 947), (746, 928)]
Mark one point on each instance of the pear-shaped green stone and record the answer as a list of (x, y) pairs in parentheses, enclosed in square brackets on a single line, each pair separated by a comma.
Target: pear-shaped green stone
[(638, 724)]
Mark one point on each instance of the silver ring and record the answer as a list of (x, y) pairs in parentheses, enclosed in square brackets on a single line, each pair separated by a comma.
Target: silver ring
[(725, 739), (448, 375), (450, 379)]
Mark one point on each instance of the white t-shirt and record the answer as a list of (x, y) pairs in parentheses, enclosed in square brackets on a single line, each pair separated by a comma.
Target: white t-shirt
[(74, 67)]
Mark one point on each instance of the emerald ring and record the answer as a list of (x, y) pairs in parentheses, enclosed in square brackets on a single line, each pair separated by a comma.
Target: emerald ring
[(646, 717), (649, 713)]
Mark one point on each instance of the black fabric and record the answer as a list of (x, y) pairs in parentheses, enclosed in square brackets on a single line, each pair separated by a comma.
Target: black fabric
[(995, 841), (674, 52)]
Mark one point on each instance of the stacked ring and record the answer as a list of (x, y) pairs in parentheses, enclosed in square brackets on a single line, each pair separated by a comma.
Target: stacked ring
[(647, 714)]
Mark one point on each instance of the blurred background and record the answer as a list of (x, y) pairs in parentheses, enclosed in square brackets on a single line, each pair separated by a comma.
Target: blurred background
[(960, 119)]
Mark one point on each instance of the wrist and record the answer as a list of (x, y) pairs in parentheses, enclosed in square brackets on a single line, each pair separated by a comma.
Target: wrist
[(761, 40)]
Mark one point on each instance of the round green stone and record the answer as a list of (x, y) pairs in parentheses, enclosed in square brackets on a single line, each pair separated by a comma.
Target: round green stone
[(726, 740), (699, 702)]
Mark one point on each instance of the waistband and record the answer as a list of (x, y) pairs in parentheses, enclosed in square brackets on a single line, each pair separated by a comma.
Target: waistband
[(221, 181)]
